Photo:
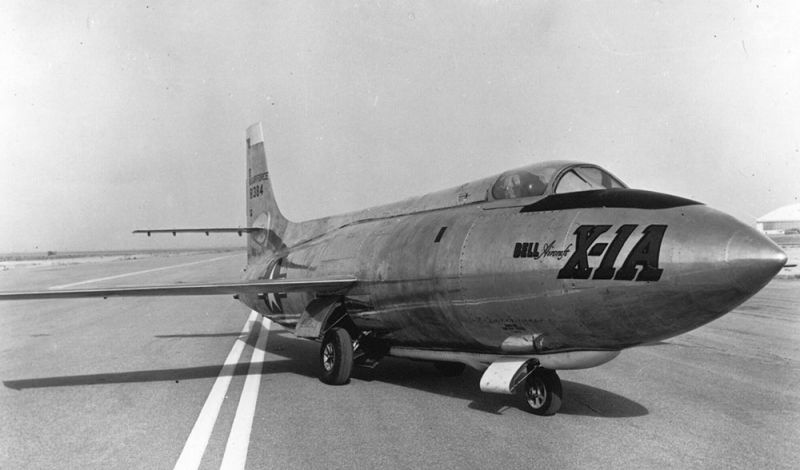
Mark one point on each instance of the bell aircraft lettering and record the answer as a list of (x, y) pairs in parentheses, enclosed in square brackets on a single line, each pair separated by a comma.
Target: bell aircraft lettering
[(531, 250), (421, 278), (527, 250), (643, 258)]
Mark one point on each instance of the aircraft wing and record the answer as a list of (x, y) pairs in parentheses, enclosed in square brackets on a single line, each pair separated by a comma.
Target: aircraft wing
[(323, 285), (175, 231)]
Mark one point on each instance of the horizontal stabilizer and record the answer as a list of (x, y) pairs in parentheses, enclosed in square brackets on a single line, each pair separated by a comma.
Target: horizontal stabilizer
[(175, 231), (329, 285)]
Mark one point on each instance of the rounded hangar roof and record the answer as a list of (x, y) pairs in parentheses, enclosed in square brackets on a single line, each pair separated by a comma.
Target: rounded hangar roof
[(788, 213)]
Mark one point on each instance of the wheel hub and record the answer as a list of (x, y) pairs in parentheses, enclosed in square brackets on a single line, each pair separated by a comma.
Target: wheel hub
[(536, 393), (328, 357)]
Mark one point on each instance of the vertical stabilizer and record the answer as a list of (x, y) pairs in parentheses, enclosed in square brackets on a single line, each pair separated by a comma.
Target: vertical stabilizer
[(262, 210)]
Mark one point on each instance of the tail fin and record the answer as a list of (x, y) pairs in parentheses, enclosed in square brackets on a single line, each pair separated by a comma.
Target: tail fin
[(262, 210)]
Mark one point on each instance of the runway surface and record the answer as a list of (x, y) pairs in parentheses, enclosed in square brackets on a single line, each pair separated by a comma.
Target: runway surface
[(136, 382)]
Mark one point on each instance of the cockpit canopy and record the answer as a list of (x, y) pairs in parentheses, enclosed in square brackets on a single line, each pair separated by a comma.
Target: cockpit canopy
[(552, 178)]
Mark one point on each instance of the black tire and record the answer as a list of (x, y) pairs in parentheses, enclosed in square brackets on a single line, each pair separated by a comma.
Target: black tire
[(336, 357), (449, 369), (542, 392)]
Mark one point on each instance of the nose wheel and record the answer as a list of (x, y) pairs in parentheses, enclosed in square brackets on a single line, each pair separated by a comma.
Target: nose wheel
[(542, 392), (336, 357)]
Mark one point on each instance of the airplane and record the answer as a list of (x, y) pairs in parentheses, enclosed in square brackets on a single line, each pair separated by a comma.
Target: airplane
[(553, 266)]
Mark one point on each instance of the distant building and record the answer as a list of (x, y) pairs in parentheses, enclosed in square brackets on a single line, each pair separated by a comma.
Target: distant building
[(785, 220)]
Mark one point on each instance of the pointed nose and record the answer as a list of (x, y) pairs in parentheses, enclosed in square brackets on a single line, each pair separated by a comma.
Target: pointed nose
[(713, 264), (752, 259)]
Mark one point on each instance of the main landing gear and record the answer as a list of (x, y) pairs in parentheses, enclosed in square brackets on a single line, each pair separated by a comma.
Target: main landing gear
[(542, 391), (344, 346), (336, 357)]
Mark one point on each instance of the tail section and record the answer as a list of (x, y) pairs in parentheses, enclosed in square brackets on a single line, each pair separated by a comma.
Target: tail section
[(262, 210)]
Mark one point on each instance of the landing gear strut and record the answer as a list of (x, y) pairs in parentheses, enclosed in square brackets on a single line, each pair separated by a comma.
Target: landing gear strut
[(336, 357), (542, 392)]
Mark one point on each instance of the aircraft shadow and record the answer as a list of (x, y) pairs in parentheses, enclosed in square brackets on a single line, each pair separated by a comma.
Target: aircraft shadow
[(585, 400), (579, 399), (301, 356), (160, 375)]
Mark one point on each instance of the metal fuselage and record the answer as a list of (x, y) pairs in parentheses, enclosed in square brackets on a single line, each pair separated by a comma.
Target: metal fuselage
[(556, 265), (459, 271)]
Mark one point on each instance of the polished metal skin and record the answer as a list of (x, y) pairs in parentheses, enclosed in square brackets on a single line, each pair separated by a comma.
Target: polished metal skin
[(460, 270), (556, 265)]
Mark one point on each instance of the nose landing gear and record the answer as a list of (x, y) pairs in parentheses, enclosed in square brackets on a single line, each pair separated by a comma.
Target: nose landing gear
[(542, 391)]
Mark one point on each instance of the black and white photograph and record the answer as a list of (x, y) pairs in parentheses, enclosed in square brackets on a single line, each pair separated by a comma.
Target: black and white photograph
[(399, 235)]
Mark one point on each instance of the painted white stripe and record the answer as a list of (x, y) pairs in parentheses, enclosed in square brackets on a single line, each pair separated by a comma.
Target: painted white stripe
[(235, 455), (196, 444), (64, 286)]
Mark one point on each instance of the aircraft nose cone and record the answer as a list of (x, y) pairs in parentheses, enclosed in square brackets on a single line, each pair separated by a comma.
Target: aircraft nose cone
[(712, 263), (721, 262), (752, 259)]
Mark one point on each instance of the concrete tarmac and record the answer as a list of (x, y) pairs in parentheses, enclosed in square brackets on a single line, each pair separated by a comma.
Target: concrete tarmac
[(121, 383)]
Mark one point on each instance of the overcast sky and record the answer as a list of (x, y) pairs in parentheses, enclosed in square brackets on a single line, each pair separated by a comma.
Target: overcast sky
[(123, 115)]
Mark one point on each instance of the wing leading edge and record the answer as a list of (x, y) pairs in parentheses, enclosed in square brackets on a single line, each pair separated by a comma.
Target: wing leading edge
[(175, 231), (325, 285)]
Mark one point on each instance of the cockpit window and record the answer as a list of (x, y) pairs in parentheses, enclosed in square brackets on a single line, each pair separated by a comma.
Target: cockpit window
[(518, 183), (531, 180), (552, 177), (586, 179)]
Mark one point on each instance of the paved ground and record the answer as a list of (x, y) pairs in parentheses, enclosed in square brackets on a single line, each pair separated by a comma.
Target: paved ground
[(120, 383)]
